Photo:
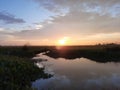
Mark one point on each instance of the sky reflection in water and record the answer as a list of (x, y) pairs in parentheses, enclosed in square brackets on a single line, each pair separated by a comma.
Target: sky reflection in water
[(78, 74)]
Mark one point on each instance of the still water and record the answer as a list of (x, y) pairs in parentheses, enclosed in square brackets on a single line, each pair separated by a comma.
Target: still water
[(78, 74)]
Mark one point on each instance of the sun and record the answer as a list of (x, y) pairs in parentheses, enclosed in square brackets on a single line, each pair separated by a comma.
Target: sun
[(62, 42)]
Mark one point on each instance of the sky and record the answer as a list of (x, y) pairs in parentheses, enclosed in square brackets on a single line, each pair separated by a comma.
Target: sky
[(59, 22)]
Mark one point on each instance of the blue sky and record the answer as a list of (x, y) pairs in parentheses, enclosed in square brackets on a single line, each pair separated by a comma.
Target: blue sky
[(47, 22), (28, 10)]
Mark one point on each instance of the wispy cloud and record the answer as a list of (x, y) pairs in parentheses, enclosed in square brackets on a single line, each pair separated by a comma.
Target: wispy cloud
[(84, 16), (98, 6), (7, 18)]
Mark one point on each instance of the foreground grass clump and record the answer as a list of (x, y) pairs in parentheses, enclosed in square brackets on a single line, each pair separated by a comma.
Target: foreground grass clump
[(18, 73)]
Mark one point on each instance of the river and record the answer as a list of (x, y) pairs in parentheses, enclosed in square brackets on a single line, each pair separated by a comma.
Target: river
[(78, 74)]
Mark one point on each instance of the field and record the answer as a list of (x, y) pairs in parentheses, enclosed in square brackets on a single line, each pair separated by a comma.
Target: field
[(98, 53)]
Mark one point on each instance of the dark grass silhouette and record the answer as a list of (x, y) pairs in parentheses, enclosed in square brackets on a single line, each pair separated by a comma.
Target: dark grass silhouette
[(101, 53), (17, 73), (17, 70)]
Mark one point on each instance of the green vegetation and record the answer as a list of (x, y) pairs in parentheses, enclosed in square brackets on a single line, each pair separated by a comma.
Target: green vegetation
[(98, 53), (17, 73), (20, 51)]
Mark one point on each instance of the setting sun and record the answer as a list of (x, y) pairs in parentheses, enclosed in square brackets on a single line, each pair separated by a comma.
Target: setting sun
[(62, 42)]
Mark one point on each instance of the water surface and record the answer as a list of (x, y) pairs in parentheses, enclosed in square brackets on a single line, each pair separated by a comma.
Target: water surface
[(78, 74)]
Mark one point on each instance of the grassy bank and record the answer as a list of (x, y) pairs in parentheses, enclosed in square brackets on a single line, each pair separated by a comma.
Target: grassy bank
[(21, 51), (98, 53), (17, 73)]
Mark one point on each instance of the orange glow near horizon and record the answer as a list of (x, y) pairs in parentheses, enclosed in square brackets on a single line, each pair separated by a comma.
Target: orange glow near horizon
[(63, 41)]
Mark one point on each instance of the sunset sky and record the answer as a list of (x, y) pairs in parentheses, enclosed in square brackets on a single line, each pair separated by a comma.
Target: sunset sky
[(59, 22)]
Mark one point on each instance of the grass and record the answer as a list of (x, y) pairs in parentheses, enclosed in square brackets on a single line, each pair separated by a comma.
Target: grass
[(98, 53), (17, 73)]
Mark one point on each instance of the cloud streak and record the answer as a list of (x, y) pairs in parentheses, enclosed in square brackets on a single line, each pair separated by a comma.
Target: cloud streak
[(84, 16), (97, 6), (10, 19)]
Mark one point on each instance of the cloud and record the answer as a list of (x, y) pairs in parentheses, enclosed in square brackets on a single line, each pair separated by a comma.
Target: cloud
[(10, 19), (110, 82), (84, 16), (1, 29), (38, 26), (91, 5), (56, 82)]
